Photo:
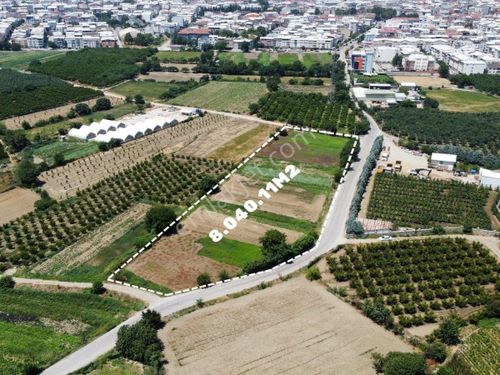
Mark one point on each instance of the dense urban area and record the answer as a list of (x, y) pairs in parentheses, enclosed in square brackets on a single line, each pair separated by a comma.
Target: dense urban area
[(256, 186)]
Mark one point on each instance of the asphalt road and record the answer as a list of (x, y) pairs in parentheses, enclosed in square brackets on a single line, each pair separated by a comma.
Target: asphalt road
[(333, 235)]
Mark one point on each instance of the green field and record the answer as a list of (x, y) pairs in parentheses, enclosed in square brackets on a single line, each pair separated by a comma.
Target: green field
[(230, 251), (52, 130), (287, 58), (150, 90), (223, 96), (235, 57), (21, 59), (42, 327), (132, 278), (311, 58), (71, 149), (264, 58), (464, 101), (181, 56)]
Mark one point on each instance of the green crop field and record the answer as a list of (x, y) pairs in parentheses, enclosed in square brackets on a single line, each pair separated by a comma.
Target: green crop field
[(223, 96), (264, 58), (150, 90), (230, 251), (287, 58), (71, 149), (179, 57), (311, 58), (236, 57), (464, 101), (131, 278), (42, 327), (479, 354), (21, 59)]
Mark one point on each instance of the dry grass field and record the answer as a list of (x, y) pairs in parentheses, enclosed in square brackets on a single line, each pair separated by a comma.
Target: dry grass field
[(296, 327), (174, 261), (15, 203), (424, 81), (291, 201)]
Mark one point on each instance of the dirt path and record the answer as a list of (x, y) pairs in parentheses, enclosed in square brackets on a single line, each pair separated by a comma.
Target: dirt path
[(296, 327)]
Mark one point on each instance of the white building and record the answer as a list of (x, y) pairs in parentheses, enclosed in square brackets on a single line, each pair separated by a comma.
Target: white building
[(443, 161), (489, 178)]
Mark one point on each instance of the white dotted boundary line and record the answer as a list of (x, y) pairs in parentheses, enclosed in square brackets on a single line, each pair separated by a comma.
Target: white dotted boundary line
[(194, 205)]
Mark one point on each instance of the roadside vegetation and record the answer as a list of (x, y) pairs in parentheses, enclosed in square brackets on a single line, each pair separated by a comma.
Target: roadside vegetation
[(409, 201)]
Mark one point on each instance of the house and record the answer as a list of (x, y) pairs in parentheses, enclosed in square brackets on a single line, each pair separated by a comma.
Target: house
[(443, 161), (489, 178)]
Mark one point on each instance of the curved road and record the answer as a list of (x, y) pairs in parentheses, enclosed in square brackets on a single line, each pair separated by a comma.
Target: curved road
[(332, 235)]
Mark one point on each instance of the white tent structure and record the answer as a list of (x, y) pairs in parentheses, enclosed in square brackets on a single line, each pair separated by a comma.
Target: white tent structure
[(83, 132)]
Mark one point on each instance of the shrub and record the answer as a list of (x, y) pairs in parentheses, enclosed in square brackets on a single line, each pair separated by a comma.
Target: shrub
[(203, 279), (396, 363), (313, 273), (448, 331), (159, 217), (97, 288), (7, 282), (436, 351), (223, 275)]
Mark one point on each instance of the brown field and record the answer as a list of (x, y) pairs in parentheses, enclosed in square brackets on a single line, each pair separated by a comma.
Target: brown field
[(6, 181), (169, 76), (325, 90), (291, 201), (296, 327), (15, 203), (424, 81), (243, 145), (247, 135), (15, 122), (174, 261)]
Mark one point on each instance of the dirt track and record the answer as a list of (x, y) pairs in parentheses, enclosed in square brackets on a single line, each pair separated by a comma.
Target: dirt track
[(15, 203), (295, 328)]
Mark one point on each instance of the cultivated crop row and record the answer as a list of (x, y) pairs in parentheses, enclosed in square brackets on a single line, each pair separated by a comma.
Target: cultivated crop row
[(414, 278), (408, 201), (163, 179)]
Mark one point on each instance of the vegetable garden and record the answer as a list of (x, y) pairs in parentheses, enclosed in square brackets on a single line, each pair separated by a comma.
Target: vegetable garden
[(96, 66), (413, 279), (311, 110), (408, 201), (163, 179), (22, 93)]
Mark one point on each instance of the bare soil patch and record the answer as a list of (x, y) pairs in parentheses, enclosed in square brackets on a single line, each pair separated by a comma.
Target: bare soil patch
[(15, 203), (424, 81), (296, 328), (290, 201), (174, 262), (169, 76), (203, 221), (209, 144)]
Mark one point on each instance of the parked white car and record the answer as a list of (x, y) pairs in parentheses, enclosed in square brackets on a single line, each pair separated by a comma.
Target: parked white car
[(385, 238)]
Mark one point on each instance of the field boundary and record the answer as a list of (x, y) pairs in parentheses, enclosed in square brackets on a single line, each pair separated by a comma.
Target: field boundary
[(216, 186)]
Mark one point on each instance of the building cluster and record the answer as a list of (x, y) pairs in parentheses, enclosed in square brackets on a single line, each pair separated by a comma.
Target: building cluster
[(463, 34)]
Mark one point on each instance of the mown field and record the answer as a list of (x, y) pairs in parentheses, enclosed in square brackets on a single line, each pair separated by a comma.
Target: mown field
[(178, 57), (23, 93), (230, 251), (408, 201), (71, 149), (148, 89), (22, 59), (37, 328), (464, 101), (223, 96), (311, 58)]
